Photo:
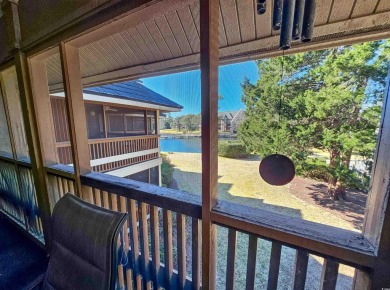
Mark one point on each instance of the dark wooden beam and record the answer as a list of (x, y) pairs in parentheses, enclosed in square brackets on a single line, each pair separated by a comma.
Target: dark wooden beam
[(209, 59), (10, 10)]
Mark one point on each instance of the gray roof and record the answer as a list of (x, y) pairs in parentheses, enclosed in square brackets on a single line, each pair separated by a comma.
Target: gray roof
[(132, 90), (229, 115)]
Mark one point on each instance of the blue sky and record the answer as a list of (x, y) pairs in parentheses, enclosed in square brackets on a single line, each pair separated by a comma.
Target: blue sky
[(184, 88)]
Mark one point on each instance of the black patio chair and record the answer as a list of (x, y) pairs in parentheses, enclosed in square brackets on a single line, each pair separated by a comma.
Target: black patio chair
[(83, 253)]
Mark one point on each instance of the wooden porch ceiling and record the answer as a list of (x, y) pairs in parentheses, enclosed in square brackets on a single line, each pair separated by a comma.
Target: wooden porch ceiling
[(168, 41)]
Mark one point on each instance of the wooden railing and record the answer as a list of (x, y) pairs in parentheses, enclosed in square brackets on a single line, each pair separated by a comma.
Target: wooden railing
[(161, 240), (18, 199), (128, 150), (159, 254)]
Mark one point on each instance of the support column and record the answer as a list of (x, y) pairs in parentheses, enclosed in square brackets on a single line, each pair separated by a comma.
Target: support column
[(159, 146), (376, 226), (209, 58), (40, 91), (34, 143), (75, 109)]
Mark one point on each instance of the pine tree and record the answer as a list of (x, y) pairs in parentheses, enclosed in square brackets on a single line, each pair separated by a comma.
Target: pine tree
[(327, 99)]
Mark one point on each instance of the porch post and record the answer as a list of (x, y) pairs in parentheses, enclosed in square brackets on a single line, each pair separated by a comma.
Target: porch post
[(376, 226), (159, 147), (209, 58), (41, 95), (75, 110), (34, 143), (29, 115)]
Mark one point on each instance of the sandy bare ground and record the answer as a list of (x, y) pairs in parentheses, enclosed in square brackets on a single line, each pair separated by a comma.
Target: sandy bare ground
[(315, 193), (239, 182)]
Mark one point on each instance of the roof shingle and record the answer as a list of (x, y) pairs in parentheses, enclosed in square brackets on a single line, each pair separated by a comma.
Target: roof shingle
[(132, 90)]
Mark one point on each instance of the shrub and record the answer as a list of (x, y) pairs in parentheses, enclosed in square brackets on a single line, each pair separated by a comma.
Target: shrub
[(313, 168), (232, 149), (318, 169), (166, 171)]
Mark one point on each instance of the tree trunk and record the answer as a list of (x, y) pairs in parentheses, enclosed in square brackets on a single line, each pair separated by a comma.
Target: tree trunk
[(334, 158), (335, 188), (347, 158)]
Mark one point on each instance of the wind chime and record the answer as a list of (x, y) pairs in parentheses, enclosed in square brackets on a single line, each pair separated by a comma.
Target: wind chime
[(295, 20)]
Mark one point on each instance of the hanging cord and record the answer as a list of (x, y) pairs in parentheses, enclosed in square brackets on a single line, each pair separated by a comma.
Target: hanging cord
[(280, 102)]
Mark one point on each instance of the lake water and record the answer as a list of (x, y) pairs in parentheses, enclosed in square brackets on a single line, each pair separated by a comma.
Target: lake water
[(189, 145)]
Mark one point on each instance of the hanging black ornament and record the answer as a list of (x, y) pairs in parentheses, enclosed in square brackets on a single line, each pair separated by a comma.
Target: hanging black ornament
[(277, 169)]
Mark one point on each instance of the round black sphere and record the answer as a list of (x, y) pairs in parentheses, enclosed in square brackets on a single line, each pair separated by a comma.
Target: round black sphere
[(277, 169)]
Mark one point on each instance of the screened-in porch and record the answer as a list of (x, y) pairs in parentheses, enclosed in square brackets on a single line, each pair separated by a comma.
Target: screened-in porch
[(170, 237)]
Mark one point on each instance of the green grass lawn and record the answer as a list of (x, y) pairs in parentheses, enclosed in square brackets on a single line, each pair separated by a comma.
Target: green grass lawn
[(239, 182), (324, 155)]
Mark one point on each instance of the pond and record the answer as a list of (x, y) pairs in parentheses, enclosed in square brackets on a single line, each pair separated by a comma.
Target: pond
[(189, 145)]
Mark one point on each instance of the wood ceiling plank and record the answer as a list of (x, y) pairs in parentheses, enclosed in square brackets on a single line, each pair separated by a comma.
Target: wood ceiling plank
[(119, 50), (222, 32), (246, 16), (142, 45), (257, 49), (95, 51), (116, 54), (55, 76), (133, 46), (195, 14), (364, 7), (149, 41), (103, 48), (322, 12), (341, 10), (92, 58), (126, 48), (127, 19), (230, 19), (178, 31), (384, 5), (189, 27), (158, 39), (170, 39), (54, 62), (263, 23), (85, 65), (265, 47)]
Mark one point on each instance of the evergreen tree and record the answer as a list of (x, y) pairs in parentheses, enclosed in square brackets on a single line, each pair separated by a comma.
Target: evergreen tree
[(327, 99)]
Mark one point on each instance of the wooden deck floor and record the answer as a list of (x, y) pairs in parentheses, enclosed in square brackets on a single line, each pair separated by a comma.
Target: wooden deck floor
[(21, 261)]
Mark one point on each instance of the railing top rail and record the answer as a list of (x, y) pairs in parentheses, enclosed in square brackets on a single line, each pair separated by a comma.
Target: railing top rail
[(61, 170), (170, 199), (106, 140), (348, 247), (117, 139), (25, 162), (344, 246)]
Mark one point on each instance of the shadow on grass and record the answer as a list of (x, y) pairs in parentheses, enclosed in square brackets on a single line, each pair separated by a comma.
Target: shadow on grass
[(192, 184), (352, 209), (286, 270)]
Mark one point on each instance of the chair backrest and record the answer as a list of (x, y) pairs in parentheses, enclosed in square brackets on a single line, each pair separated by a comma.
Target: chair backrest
[(83, 252)]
